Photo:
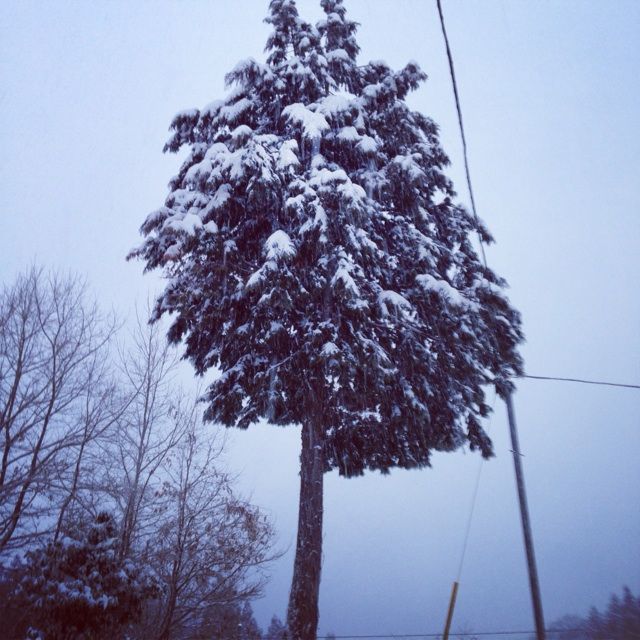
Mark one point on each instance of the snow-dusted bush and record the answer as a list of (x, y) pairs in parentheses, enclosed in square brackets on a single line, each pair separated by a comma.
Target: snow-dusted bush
[(77, 588)]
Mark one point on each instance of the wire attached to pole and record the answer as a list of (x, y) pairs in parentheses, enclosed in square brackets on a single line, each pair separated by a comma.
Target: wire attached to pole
[(533, 577)]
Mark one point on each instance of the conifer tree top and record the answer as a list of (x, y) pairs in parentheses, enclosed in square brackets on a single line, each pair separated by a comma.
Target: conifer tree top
[(315, 253)]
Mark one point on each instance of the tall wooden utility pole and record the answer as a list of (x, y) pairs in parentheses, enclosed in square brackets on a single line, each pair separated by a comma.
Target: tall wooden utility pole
[(526, 524)]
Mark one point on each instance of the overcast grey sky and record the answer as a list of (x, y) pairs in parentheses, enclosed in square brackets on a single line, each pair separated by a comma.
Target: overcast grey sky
[(551, 103)]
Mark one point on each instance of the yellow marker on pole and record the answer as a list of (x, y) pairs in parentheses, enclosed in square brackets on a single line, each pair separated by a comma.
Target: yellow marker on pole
[(452, 604)]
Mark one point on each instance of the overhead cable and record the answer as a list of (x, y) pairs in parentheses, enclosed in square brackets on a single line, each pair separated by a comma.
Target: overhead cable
[(581, 381)]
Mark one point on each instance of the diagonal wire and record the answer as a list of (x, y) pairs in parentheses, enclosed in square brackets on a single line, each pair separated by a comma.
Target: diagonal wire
[(474, 499), (464, 140), (473, 202), (580, 380)]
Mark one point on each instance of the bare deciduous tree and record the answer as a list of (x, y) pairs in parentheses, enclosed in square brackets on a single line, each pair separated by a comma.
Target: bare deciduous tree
[(53, 346), (178, 512), (99, 409), (212, 546), (81, 435), (145, 433)]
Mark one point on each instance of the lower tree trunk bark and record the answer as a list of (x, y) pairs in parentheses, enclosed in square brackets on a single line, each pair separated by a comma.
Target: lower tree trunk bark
[(167, 618), (302, 615)]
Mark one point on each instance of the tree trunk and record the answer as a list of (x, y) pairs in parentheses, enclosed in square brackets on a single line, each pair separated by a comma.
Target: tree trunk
[(73, 491), (167, 618), (302, 615)]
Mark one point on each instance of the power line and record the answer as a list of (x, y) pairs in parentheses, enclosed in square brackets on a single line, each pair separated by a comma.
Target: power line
[(581, 381), (465, 156), (474, 498), (464, 140), (470, 519), (465, 634)]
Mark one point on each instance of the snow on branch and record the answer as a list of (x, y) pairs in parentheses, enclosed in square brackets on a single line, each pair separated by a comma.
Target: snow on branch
[(446, 291), (313, 124)]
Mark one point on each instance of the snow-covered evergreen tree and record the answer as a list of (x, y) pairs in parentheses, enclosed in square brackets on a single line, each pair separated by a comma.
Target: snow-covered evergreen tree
[(314, 253), (77, 587)]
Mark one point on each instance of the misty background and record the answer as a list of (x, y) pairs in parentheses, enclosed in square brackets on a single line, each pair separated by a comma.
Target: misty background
[(550, 99)]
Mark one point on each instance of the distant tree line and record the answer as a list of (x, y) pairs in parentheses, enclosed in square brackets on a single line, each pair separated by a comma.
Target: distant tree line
[(619, 621), (116, 518)]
